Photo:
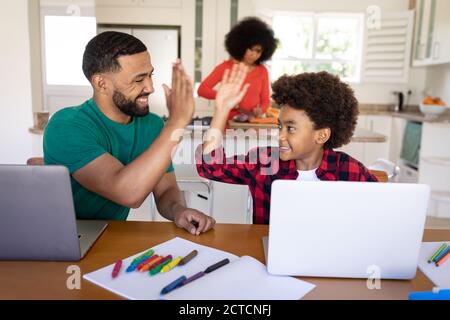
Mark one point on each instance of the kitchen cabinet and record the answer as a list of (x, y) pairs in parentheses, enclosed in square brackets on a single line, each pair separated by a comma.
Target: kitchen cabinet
[(369, 152), (396, 138), (434, 162), (380, 150), (146, 12), (150, 3), (432, 37), (434, 167)]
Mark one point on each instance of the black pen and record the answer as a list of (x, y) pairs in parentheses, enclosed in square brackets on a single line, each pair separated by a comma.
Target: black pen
[(184, 281), (217, 265)]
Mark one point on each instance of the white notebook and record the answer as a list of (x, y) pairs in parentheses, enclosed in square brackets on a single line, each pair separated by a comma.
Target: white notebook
[(243, 278), (440, 276)]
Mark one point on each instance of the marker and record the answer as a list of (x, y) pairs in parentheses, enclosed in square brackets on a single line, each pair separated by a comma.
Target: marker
[(171, 265), (441, 248), (116, 269), (157, 268), (150, 263), (208, 270), (442, 254), (173, 285), (444, 258), (145, 255), (134, 264), (188, 258), (194, 277), (433, 295), (217, 265)]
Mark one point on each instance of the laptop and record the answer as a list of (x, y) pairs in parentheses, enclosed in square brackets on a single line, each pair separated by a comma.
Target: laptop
[(38, 218), (346, 229)]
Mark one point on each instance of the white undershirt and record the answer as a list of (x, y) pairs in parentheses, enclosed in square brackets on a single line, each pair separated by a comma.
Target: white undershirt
[(309, 175)]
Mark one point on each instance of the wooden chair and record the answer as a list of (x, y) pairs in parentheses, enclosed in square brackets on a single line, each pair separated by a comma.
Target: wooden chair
[(381, 175), (36, 161)]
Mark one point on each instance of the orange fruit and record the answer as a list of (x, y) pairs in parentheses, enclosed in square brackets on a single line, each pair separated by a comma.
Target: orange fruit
[(439, 102), (428, 100), (272, 112)]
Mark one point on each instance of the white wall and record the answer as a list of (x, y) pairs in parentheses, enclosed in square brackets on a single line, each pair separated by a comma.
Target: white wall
[(370, 93), (438, 82), (16, 143)]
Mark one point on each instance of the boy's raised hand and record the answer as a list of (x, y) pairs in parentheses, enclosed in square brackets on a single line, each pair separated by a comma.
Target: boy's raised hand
[(231, 91)]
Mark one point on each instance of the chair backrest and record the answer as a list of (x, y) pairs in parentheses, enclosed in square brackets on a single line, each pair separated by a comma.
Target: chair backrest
[(381, 175), (36, 161)]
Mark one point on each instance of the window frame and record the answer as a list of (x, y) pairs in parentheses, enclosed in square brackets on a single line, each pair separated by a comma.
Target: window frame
[(315, 61), (60, 91)]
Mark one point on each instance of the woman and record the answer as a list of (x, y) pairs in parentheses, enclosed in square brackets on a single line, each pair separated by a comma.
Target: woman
[(252, 42)]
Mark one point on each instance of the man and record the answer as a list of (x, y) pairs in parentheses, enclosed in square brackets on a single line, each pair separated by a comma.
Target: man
[(116, 150)]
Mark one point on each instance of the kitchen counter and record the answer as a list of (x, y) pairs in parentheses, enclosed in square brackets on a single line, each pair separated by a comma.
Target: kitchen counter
[(363, 135), (412, 113), (360, 135)]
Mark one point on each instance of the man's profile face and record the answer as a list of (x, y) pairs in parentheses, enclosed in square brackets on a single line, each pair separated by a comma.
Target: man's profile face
[(133, 84)]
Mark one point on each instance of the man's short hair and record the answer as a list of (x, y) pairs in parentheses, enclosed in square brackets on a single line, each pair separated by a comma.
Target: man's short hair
[(103, 50)]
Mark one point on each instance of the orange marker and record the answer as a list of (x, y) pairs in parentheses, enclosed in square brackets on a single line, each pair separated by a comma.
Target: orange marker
[(146, 261), (443, 259), (151, 264)]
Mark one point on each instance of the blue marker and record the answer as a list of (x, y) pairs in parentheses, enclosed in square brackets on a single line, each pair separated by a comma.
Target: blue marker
[(442, 254), (134, 264), (173, 285), (433, 295)]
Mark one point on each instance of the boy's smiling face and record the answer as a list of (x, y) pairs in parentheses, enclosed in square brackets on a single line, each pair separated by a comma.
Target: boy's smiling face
[(298, 138)]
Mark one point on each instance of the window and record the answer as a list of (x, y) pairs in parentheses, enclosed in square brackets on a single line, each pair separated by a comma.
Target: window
[(66, 28), (318, 42), (65, 38)]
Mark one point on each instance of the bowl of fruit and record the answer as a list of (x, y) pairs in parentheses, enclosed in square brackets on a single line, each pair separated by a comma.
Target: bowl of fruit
[(432, 107)]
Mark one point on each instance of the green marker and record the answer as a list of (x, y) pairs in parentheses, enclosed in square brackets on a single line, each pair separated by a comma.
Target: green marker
[(442, 248), (157, 269), (147, 254)]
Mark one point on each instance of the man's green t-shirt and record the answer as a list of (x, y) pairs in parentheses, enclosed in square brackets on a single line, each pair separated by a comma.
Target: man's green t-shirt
[(75, 136)]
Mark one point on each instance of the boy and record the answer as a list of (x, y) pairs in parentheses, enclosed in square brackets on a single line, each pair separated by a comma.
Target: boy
[(318, 113)]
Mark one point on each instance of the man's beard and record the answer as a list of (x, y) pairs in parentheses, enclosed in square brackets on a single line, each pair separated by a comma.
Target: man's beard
[(128, 107)]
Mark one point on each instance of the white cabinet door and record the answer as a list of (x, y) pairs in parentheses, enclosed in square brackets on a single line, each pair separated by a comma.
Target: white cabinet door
[(424, 32), (441, 38), (119, 3), (377, 150), (369, 152), (355, 150), (432, 39), (148, 3)]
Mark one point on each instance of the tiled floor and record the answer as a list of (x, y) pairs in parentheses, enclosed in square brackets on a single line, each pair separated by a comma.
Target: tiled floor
[(436, 223)]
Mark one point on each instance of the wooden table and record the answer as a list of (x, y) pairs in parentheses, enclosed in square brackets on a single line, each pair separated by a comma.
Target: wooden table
[(47, 280)]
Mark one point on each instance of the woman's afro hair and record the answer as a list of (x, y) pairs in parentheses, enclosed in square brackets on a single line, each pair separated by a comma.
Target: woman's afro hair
[(247, 33)]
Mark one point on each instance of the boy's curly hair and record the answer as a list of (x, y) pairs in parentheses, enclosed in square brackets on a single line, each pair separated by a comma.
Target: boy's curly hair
[(250, 32), (328, 102)]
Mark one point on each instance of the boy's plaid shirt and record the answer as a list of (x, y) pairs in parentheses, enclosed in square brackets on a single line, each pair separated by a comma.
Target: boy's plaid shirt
[(261, 166)]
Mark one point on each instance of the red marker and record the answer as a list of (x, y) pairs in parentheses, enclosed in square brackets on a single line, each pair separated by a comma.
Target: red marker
[(116, 269)]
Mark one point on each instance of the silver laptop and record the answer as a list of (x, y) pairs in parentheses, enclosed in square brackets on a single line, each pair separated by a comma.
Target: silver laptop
[(346, 229), (38, 217)]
